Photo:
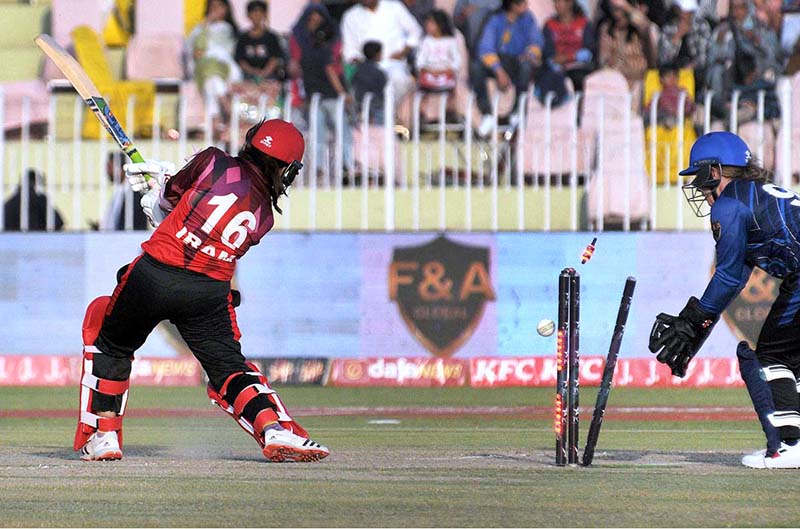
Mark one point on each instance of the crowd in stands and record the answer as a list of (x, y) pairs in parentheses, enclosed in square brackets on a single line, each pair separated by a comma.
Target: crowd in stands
[(340, 55), (413, 45), (353, 50)]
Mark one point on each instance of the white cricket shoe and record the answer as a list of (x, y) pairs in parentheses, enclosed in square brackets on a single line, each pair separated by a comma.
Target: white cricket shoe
[(282, 445), (102, 447), (485, 126), (786, 457)]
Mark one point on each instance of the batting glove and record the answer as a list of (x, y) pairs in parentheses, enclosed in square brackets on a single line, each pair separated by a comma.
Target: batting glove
[(152, 208), (158, 171)]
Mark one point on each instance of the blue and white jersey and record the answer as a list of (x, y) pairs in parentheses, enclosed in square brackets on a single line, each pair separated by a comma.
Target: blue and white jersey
[(755, 225)]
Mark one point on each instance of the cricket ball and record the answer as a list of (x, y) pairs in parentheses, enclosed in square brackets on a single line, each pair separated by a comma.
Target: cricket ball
[(546, 327)]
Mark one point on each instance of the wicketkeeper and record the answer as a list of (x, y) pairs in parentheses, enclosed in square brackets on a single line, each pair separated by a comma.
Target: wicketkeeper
[(754, 223), (207, 216)]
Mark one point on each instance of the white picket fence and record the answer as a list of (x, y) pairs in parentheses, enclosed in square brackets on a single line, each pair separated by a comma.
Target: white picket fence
[(418, 177)]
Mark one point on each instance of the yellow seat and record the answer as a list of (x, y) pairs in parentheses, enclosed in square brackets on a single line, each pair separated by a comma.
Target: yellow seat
[(667, 138), (193, 14), (119, 26), (91, 55)]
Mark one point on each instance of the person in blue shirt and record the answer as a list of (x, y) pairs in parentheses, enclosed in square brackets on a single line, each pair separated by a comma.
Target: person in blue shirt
[(510, 50), (755, 223)]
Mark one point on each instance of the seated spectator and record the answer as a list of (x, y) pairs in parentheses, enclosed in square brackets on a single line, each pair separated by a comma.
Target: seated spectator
[(37, 206), (390, 23), (683, 41), (258, 51), (316, 54), (510, 50), (123, 198), (212, 43), (708, 10), (769, 12), (624, 41), (568, 44), (742, 34), (262, 60), (370, 78), (669, 100), (469, 17), (656, 11), (749, 84), (438, 58)]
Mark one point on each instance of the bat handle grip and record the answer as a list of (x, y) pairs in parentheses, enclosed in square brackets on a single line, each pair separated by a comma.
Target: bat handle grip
[(136, 157)]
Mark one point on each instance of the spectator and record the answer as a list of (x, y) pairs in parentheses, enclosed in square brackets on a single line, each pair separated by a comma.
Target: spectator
[(419, 9), (568, 44), (316, 53), (390, 23), (438, 58), (510, 49), (656, 10), (624, 41), (708, 10), (261, 57), (37, 205), (212, 43), (258, 51), (669, 100), (770, 14), (123, 199), (749, 84), (784, 19), (742, 34), (370, 78), (469, 16), (683, 41)]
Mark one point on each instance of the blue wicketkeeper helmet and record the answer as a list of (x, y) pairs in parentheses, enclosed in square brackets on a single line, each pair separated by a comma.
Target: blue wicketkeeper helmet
[(714, 148), (718, 148)]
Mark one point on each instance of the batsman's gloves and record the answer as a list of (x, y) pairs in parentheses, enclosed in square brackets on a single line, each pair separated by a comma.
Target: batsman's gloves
[(152, 209), (159, 172), (676, 339)]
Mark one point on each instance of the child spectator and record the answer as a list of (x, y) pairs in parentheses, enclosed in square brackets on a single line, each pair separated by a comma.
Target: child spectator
[(212, 43), (667, 112), (438, 58), (263, 62), (258, 52), (568, 44), (370, 78)]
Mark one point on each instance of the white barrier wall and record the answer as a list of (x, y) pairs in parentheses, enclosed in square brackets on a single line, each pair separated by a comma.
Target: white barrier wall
[(347, 295)]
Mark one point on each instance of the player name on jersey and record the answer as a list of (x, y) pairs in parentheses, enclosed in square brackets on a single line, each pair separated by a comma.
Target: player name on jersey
[(190, 239)]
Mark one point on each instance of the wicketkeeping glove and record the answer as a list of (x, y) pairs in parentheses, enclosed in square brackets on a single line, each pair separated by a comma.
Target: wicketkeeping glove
[(159, 171), (676, 339)]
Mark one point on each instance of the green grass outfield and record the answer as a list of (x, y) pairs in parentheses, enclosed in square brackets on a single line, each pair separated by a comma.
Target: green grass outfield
[(186, 466)]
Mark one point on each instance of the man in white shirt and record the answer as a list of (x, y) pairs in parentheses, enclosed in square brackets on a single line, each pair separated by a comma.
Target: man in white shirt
[(390, 23)]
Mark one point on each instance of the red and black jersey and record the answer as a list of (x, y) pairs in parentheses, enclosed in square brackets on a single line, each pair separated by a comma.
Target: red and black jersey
[(567, 38), (220, 208)]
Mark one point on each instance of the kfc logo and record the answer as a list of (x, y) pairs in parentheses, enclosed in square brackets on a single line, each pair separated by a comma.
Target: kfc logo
[(267, 142)]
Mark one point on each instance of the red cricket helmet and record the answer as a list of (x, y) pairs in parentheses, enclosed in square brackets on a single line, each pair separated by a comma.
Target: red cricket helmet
[(281, 140)]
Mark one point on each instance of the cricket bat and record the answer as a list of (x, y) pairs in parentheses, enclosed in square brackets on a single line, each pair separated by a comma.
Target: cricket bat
[(90, 94)]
